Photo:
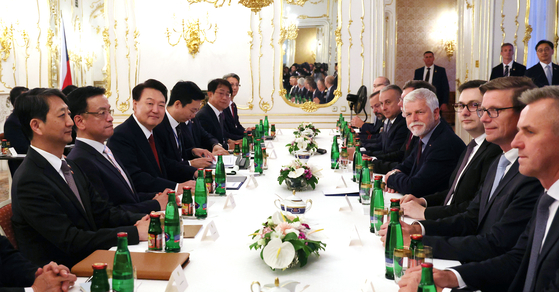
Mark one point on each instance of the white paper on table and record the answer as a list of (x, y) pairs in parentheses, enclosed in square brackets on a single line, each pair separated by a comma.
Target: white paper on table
[(341, 191), (354, 238), (12, 151), (228, 161), (179, 278), (349, 207), (233, 184), (212, 230), (230, 202)]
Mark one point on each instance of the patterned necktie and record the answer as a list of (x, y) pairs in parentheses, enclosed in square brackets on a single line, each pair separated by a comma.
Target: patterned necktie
[(428, 75), (112, 159), (503, 163), (233, 108), (539, 232), (154, 150), (506, 71), (469, 151), (68, 175), (221, 125), (179, 139), (548, 74)]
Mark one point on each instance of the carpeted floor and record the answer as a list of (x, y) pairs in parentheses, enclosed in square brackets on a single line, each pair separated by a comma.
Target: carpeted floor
[(4, 187)]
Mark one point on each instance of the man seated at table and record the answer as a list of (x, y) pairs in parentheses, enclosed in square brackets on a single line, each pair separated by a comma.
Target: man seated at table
[(388, 161), (233, 126), (501, 210), (91, 112), (134, 144), (471, 170), (532, 265), (57, 214), (211, 116), (369, 130), (170, 134), (16, 272), (13, 132), (428, 169), (394, 130)]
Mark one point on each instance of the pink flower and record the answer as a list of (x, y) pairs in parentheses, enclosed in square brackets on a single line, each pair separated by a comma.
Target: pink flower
[(265, 231), (306, 225), (308, 174), (282, 227), (302, 236)]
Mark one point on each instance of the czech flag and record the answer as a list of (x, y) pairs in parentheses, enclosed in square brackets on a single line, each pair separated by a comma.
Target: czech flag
[(65, 72)]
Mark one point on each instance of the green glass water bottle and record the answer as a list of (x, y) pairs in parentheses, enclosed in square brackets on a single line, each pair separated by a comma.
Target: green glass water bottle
[(264, 159), (237, 150), (100, 280), (251, 142), (335, 154), (357, 163), (266, 126), (220, 177), (350, 139), (123, 273), (244, 146), (172, 225), (365, 185), (394, 238), (258, 160), (427, 284), (200, 196), (377, 207)]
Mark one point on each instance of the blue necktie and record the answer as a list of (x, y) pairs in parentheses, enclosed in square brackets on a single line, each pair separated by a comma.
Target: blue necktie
[(503, 163), (539, 232)]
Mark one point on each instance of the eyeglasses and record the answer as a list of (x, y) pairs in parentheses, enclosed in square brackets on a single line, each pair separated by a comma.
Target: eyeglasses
[(102, 114), (471, 106), (492, 112)]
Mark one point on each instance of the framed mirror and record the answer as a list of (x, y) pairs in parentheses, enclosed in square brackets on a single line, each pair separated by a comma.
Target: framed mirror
[(310, 44)]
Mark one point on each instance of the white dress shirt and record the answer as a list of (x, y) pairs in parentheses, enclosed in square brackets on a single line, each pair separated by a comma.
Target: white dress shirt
[(56, 162)]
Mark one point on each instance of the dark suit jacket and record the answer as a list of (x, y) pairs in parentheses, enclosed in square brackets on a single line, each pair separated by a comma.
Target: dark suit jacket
[(433, 171), (471, 180), (15, 270), (537, 74), (209, 121), (391, 140), (440, 81), (196, 137), (109, 183), (491, 275), (14, 134), (488, 228), (516, 70), (130, 146), (166, 138), (49, 222), (233, 127), (330, 93), (370, 130), (388, 161)]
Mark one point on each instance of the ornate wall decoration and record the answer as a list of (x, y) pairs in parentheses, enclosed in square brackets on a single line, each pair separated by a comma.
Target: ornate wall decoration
[(216, 3), (349, 49), (517, 24), (528, 31), (503, 21), (193, 36), (38, 47), (6, 43), (361, 38)]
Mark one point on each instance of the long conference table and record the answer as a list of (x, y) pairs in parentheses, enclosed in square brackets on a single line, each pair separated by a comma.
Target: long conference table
[(353, 255)]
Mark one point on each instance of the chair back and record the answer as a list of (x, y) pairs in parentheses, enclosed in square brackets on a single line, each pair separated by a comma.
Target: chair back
[(6, 227)]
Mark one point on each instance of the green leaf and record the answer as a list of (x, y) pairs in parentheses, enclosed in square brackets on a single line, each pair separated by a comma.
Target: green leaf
[(303, 257), (290, 236)]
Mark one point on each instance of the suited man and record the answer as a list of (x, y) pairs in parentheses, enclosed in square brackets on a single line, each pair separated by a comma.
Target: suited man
[(545, 72), (500, 212), (532, 264), (425, 171), (313, 93), (435, 75), (90, 110), (57, 214), (321, 86), (13, 132), (17, 272), (508, 67), (331, 86), (233, 126), (134, 144), (211, 115), (294, 88), (368, 131), (180, 109), (471, 170)]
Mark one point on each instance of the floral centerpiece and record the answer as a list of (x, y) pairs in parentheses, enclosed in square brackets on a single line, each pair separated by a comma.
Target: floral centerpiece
[(298, 175), (306, 129), (286, 240), (302, 143)]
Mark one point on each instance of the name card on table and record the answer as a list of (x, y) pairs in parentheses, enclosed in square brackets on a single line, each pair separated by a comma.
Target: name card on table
[(210, 233), (229, 202), (343, 183), (368, 286), (278, 131), (272, 154), (269, 145), (354, 238), (251, 182), (349, 207), (177, 281)]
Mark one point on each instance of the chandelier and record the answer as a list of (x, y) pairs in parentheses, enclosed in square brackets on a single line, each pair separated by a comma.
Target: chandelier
[(255, 5)]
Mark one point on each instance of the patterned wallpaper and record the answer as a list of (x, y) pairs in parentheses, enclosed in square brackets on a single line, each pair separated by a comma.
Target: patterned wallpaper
[(419, 25)]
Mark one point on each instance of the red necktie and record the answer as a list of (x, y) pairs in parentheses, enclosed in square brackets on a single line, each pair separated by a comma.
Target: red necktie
[(154, 150), (419, 150)]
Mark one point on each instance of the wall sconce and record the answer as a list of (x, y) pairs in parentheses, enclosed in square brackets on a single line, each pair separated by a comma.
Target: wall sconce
[(255, 5), (290, 32), (449, 46), (193, 35)]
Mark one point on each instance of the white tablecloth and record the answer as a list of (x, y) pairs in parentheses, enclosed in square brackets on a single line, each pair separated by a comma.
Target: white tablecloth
[(228, 265)]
